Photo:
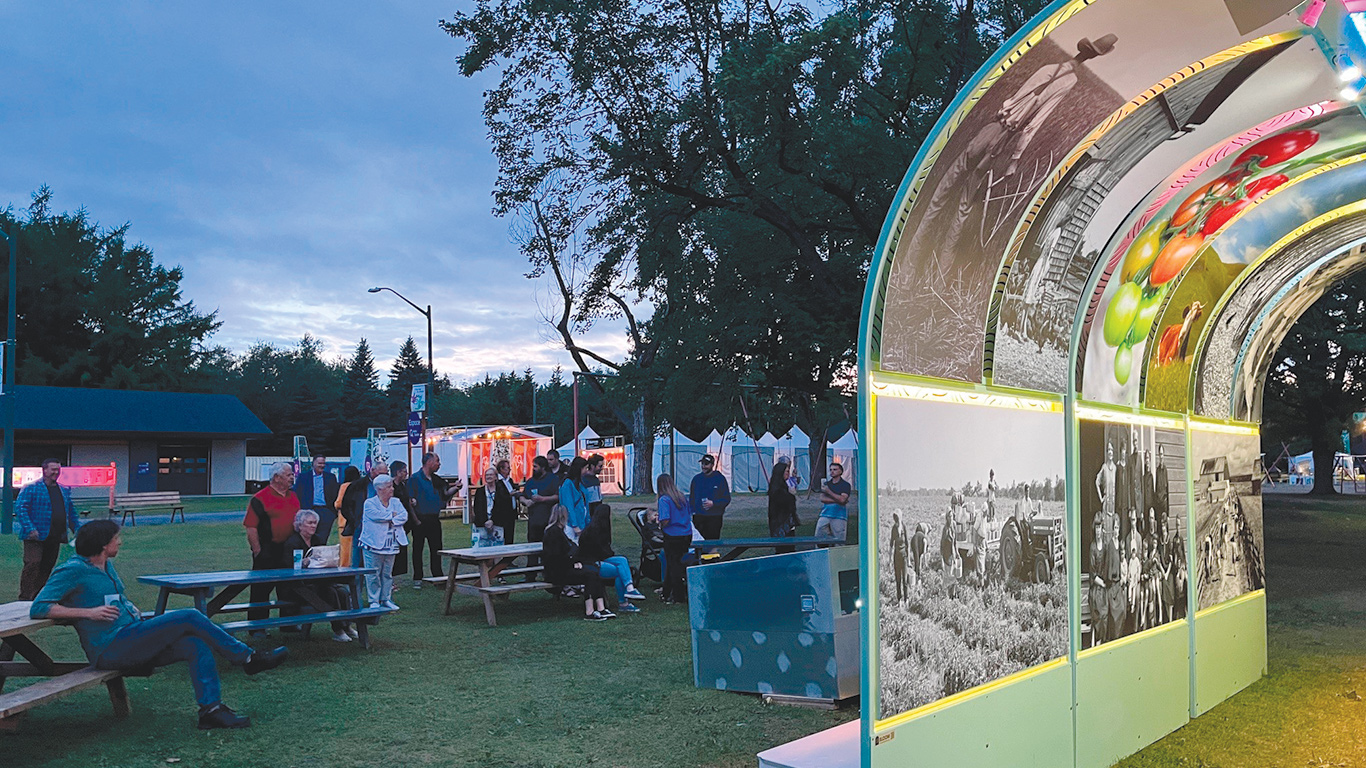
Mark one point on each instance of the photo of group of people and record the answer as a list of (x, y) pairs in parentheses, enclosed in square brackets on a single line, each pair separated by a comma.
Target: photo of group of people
[(1228, 515), (1133, 529)]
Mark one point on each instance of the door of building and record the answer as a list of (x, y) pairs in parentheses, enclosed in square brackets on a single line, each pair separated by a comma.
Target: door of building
[(183, 468)]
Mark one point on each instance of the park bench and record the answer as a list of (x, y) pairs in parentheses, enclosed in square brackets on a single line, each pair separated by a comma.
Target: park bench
[(474, 575), (133, 503), (491, 562), (64, 677)]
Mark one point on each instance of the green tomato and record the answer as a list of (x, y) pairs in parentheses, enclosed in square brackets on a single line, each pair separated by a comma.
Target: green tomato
[(1143, 250), (1146, 316), (1124, 363), (1119, 316)]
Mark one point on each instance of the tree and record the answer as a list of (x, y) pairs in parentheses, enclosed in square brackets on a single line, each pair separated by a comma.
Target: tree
[(362, 405), (95, 311), (1319, 378), (408, 369), (722, 166)]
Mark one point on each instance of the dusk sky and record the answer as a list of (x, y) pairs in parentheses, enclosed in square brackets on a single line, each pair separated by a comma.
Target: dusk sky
[(289, 156)]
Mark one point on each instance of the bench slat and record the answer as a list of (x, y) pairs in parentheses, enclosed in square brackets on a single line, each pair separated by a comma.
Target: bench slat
[(236, 607), (475, 575), (502, 589), (26, 698), (311, 618)]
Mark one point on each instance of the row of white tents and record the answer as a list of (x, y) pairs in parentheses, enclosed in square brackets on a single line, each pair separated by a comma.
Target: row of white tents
[(745, 461)]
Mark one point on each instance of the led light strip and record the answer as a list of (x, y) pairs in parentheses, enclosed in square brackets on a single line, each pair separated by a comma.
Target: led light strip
[(881, 387), (1093, 413), (1227, 428)]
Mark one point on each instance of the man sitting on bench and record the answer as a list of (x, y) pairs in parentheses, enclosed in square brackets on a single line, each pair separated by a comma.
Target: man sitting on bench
[(88, 591)]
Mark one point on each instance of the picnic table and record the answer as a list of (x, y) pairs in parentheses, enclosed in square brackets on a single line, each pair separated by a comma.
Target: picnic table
[(490, 561), (738, 547), (229, 584), (64, 677)]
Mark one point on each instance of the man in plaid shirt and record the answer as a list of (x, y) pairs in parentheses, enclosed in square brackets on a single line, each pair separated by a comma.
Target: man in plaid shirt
[(42, 532)]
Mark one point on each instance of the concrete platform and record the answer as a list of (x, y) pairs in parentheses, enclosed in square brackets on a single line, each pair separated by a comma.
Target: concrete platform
[(836, 747)]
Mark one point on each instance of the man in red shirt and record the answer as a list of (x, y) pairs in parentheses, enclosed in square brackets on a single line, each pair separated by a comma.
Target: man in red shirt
[(269, 522)]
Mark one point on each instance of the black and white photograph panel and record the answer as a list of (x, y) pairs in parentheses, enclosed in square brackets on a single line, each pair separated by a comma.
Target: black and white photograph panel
[(972, 574), (1133, 529), (1227, 493)]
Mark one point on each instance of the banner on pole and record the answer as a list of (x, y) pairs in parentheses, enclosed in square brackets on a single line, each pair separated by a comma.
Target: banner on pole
[(417, 401), (415, 428)]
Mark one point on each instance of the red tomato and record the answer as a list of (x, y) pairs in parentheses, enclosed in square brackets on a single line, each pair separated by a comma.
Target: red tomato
[(1225, 211), (1274, 150), (1174, 257), (1192, 204)]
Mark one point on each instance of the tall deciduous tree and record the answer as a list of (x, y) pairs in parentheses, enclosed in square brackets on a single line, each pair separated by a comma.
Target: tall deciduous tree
[(97, 311), (1320, 377)]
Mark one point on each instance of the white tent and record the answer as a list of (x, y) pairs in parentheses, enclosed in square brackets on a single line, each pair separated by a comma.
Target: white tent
[(679, 455), (748, 465), (796, 445), (845, 451), (768, 440), (567, 450)]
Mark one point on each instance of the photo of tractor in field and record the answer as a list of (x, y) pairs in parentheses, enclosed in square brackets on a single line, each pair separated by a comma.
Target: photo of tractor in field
[(976, 544)]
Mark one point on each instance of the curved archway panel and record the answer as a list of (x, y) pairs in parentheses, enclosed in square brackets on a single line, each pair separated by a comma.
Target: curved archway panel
[(1174, 253), (1271, 328), (989, 162), (1234, 324), (1262, 232), (1043, 285)]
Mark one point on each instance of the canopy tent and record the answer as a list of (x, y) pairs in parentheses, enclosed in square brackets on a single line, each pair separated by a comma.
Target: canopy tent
[(747, 466), (615, 473), (678, 455), (768, 440), (467, 451), (845, 451), (567, 450), (796, 445)]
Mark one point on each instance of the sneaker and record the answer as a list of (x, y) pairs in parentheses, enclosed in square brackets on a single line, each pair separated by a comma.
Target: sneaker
[(259, 634), (660, 591), (595, 616), (626, 607), (260, 661), (353, 632), (390, 605), (341, 637), (417, 585), (219, 716), (606, 614), (634, 594)]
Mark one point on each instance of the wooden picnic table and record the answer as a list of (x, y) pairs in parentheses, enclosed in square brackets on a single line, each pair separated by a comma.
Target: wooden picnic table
[(229, 584), (738, 547), (490, 561), (65, 677)]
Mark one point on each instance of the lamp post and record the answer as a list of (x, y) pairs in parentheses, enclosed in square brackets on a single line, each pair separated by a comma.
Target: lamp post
[(431, 389), (8, 394)]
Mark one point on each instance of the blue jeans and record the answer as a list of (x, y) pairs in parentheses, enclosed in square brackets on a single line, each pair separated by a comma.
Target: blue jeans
[(184, 635), (616, 567)]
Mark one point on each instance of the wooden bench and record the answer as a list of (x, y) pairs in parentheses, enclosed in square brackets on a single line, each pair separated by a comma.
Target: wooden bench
[(54, 688), (503, 589), (474, 575), (133, 503), (357, 614)]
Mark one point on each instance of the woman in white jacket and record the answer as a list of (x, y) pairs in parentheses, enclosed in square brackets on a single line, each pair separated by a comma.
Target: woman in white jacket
[(380, 538)]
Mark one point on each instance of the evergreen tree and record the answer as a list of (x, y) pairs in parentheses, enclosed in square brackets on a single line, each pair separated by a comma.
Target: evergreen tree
[(408, 369), (362, 404)]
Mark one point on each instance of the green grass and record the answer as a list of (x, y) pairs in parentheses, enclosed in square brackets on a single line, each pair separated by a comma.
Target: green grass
[(1309, 709), (542, 689)]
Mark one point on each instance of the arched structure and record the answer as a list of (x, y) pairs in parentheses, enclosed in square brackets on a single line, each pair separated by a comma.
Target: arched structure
[(1074, 304)]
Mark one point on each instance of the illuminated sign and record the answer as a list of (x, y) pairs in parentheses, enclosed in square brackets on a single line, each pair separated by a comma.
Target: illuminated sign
[(72, 477)]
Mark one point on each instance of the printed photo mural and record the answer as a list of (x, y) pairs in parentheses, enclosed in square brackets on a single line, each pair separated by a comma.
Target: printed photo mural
[(1183, 249), (1133, 529), (1227, 494), (972, 577)]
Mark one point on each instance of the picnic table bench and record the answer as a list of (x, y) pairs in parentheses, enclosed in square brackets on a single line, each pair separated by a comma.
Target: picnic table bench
[(130, 504), (491, 562), (64, 677), (737, 547), (212, 594)]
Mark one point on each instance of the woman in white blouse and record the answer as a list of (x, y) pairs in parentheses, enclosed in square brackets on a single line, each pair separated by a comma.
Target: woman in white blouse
[(380, 538)]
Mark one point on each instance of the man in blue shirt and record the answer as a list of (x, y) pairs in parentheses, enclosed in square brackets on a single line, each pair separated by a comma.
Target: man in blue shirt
[(87, 591), (46, 516), (834, 519), (429, 494), (708, 496), (542, 492), (317, 490)]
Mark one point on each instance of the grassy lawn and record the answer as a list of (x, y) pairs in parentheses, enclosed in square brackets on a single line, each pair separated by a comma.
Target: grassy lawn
[(542, 689), (1309, 709)]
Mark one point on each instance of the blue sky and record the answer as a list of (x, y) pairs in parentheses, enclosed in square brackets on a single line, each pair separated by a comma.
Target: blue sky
[(288, 155)]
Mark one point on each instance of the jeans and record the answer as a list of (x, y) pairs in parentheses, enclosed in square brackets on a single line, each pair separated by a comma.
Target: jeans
[(184, 635), (832, 526), (380, 587), (616, 567), (39, 559), (427, 531), (675, 576)]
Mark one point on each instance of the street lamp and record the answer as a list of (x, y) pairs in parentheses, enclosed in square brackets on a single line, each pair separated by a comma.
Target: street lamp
[(431, 390), (8, 359)]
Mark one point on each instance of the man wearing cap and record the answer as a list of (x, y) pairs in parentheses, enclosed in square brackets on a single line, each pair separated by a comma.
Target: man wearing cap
[(708, 496)]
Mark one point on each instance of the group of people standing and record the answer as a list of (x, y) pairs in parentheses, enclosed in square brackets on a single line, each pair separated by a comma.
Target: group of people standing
[(1137, 567)]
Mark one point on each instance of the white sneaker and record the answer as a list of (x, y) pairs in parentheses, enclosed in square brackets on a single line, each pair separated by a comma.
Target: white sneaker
[(390, 605), (417, 585), (352, 632), (341, 637)]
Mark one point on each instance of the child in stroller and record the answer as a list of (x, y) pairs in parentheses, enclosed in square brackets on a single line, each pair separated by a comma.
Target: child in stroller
[(646, 522)]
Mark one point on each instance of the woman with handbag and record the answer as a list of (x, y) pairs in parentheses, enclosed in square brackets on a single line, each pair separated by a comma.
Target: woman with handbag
[(782, 506), (334, 596), (380, 537), (561, 565), (493, 508)]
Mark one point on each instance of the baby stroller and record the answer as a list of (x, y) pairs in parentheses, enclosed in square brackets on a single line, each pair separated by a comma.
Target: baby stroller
[(651, 564)]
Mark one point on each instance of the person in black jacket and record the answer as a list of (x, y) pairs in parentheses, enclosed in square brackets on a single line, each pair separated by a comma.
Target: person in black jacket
[(306, 536), (782, 506), (595, 549), (561, 565), (498, 511)]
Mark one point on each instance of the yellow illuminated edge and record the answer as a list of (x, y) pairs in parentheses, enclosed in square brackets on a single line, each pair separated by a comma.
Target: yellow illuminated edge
[(1246, 597), (1226, 427), (900, 386), (1182, 624), (896, 721), (1126, 416)]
